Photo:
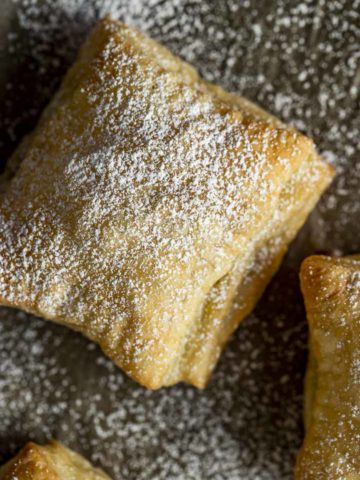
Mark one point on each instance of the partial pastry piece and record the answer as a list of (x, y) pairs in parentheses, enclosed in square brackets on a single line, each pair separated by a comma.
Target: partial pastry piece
[(331, 449), (49, 462), (149, 209)]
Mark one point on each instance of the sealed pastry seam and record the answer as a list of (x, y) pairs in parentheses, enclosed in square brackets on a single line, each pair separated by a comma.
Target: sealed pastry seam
[(235, 295), (149, 209)]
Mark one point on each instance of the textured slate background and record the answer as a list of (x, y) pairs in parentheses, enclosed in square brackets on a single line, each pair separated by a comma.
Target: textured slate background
[(299, 60)]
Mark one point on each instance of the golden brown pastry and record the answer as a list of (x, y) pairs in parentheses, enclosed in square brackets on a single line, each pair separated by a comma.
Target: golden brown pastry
[(49, 462), (331, 449), (150, 208)]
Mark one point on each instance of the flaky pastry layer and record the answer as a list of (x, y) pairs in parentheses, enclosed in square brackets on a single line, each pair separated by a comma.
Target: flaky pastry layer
[(49, 462), (331, 449), (150, 209)]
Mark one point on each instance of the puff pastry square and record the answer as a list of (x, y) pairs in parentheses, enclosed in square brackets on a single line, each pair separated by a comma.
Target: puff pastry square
[(150, 209), (49, 462), (331, 449)]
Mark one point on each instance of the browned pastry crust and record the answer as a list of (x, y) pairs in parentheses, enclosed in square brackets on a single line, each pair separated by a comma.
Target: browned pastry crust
[(331, 449), (151, 209), (49, 462)]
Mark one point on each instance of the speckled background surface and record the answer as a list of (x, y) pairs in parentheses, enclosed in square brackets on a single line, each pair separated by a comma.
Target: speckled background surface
[(301, 61)]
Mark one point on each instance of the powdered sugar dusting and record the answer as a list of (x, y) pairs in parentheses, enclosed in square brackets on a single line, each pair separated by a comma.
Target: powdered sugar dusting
[(146, 190), (291, 59)]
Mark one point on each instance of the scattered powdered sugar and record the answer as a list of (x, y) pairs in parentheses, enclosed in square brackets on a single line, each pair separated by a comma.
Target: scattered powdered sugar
[(55, 383), (300, 61)]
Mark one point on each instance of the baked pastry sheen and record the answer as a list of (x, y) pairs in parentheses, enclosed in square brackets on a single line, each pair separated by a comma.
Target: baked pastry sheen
[(150, 209), (49, 462), (331, 449)]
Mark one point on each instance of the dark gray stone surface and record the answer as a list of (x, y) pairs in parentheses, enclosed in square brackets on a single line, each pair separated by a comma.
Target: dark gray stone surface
[(300, 60)]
